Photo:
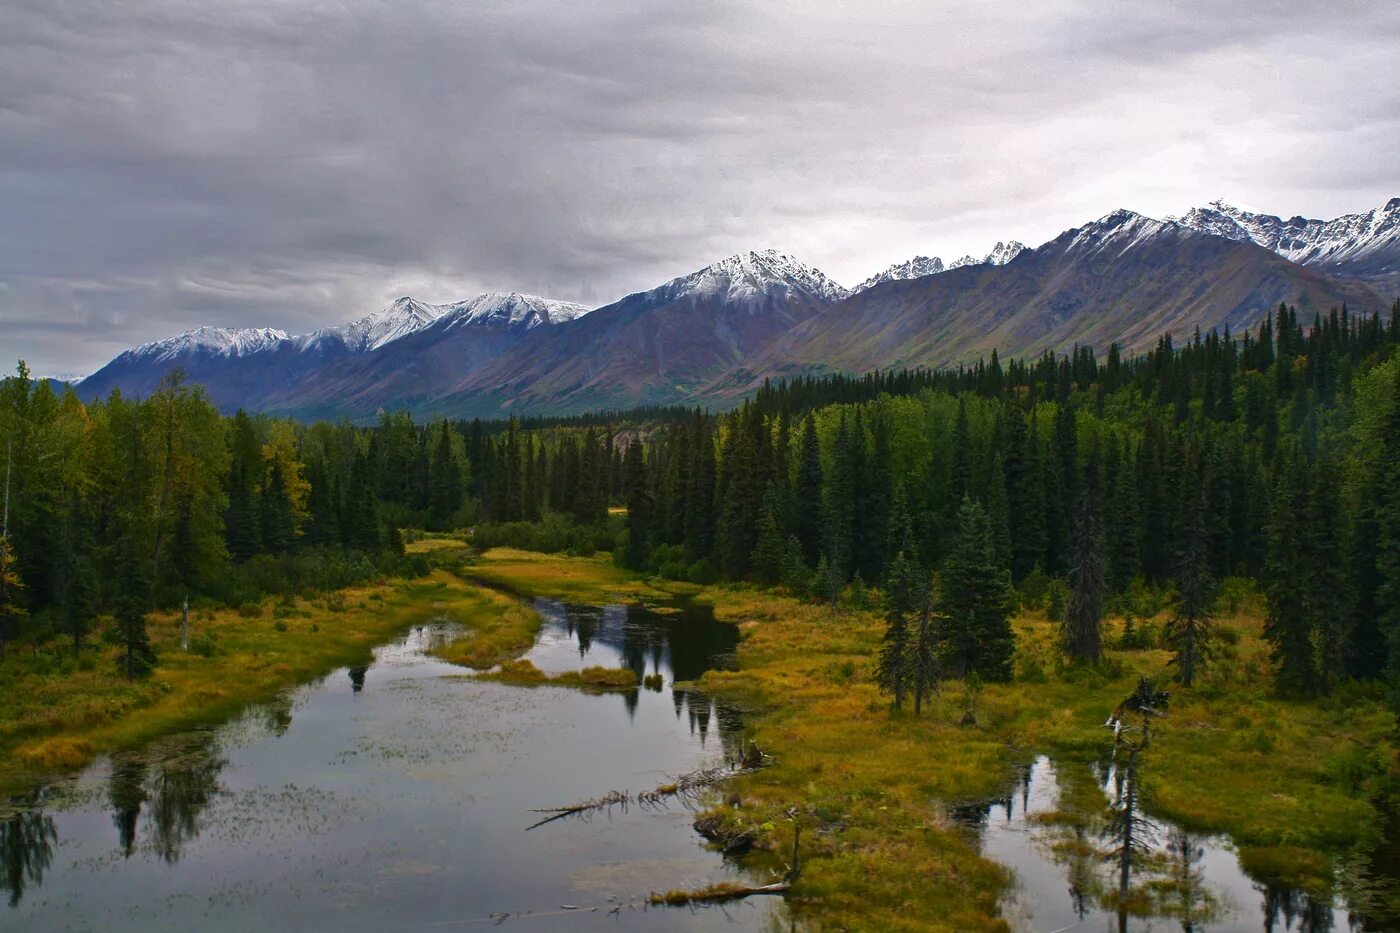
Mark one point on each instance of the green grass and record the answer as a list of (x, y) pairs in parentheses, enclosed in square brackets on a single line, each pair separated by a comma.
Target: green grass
[(579, 579), (57, 713)]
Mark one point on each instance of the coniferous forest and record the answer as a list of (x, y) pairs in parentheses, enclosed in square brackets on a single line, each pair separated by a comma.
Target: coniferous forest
[(1269, 459)]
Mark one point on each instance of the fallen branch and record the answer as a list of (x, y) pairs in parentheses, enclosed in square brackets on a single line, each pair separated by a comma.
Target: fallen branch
[(686, 786)]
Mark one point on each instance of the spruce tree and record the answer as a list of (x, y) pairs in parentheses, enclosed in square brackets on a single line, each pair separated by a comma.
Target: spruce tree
[(129, 607), (807, 493), (975, 601), (640, 517), (894, 668), (1288, 628), (925, 662), (770, 558), (1387, 525), (1189, 631), (1082, 636)]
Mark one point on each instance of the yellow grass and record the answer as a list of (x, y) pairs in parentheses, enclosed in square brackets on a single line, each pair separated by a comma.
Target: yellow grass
[(524, 673)]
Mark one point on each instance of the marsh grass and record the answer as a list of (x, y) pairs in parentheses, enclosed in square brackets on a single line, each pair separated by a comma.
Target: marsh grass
[(595, 580), (58, 712), (1284, 779), (523, 673)]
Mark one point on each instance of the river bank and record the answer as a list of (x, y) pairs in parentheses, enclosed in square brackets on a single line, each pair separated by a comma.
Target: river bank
[(58, 712)]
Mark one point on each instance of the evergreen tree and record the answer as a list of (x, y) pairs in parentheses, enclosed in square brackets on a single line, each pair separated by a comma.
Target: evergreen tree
[(895, 667), (640, 517), (129, 609), (925, 663), (807, 493), (1088, 575), (1189, 630), (444, 482), (11, 588), (975, 601), (770, 557)]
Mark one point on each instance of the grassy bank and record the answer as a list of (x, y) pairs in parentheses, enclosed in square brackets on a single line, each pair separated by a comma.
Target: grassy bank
[(580, 579), (1288, 781), (57, 712)]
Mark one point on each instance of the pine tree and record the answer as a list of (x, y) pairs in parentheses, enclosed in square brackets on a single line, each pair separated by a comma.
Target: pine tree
[(925, 662), (807, 493), (444, 482), (770, 557), (975, 601), (894, 668), (1189, 631), (1088, 575), (129, 613), (1288, 628), (640, 517), (1387, 526)]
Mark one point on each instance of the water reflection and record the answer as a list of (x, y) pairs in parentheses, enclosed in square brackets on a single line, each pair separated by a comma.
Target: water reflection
[(1086, 855), (421, 788), (27, 840)]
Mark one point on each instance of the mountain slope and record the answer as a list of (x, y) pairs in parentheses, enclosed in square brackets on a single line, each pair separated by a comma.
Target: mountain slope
[(657, 346), (1364, 246), (1124, 278)]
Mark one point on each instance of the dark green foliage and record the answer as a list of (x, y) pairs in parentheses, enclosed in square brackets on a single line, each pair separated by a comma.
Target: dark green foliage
[(975, 601), (895, 668), (1189, 631), (1088, 575)]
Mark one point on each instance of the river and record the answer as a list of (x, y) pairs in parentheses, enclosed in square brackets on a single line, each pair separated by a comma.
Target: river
[(397, 797)]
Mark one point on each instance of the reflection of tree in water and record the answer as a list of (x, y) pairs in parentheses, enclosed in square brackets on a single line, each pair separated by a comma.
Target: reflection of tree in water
[(172, 783), (357, 679), (126, 792), (1298, 911), (27, 840)]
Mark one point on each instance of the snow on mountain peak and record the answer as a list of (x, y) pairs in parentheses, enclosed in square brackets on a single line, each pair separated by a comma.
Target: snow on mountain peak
[(1304, 240), (213, 341), (511, 309), (920, 266), (753, 277)]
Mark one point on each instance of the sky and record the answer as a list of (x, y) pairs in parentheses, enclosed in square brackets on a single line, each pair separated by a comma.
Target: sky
[(166, 164)]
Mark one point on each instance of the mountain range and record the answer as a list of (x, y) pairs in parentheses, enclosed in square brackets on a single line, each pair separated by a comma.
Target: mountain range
[(711, 336)]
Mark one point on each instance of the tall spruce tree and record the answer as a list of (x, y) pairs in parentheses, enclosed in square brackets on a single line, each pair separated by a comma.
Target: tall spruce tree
[(975, 601), (1082, 636), (894, 668), (1189, 630), (807, 494)]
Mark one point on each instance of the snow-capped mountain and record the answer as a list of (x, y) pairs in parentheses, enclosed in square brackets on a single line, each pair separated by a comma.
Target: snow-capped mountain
[(753, 279), (509, 309), (1365, 245), (252, 367), (231, 342), (920, 266), (915, 268)]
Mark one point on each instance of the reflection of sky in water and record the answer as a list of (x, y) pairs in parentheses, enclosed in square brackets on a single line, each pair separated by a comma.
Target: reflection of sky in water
[(397, 796), (1062, 872)]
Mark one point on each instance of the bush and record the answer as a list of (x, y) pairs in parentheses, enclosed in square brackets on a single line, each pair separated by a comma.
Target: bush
[(554, 533), (204, 646)]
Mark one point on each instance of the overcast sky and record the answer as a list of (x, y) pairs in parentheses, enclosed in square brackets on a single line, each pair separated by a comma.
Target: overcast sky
[(296, 164)]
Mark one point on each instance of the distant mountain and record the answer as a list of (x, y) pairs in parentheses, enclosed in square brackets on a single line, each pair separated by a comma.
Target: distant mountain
[(1362, 246), (920, 266), (1124, 278), (657, 346), (715, 334), (417, 368), (254, 367)]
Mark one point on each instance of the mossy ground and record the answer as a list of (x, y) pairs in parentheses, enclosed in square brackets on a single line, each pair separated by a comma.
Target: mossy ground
[(57, 712)]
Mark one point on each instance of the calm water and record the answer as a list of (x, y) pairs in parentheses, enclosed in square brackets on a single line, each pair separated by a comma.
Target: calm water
[(397, 796), (1068, 870)]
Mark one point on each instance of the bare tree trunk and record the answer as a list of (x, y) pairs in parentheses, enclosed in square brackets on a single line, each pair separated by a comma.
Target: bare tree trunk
[(185, 624)]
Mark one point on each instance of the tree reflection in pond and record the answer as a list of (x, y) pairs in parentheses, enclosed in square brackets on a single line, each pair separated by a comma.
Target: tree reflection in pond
[(27, 840), (170, 784)]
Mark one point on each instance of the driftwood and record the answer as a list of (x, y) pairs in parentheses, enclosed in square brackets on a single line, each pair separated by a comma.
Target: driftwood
[(685, 787)]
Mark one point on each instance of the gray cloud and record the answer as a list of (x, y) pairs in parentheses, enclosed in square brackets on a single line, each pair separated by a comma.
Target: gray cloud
[(169, 164)]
